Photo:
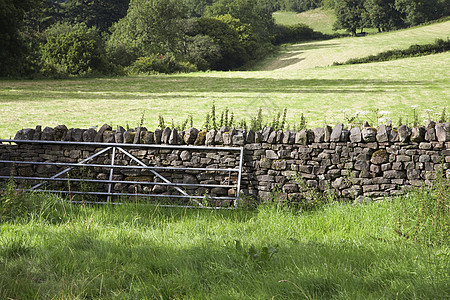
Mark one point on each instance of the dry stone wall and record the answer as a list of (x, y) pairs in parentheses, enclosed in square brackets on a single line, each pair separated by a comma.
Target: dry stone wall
[(349, 161)]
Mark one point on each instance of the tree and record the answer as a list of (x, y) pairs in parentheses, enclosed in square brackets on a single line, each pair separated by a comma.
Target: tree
[(99, 13), (351, 15), (382, 14), (415, 12), (73, 49), (149, 27), (12, 46)]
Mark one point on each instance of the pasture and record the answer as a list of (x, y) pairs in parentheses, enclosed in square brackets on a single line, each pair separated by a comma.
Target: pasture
[(340, 251), (324, 95)]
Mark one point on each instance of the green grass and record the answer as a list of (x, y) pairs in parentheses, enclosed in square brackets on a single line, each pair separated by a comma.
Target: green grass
[(319, 19), (340, 251), (324, 53), (324, 95)]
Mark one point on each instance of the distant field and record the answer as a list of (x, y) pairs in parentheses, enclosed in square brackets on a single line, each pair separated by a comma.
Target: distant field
[(324, 95), (324, 53), (319, 19)]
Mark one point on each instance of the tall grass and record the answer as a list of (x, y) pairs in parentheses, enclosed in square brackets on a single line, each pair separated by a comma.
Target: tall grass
[(147, 252)]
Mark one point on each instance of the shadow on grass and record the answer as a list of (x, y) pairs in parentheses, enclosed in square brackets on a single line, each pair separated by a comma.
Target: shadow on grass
[(175, 85), (99, 264)]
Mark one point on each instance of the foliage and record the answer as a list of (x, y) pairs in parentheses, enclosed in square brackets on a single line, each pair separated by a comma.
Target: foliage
[(12, 46), (382, 14), (73, 50), (159, 63), (351, 15), (232, 42), (295, 34), (424, 214), (99, 13), (415, 50), (149, 27), (259, 256), (299, 5)]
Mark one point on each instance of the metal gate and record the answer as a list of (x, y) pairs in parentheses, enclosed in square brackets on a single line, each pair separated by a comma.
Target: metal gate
[(111, 150)]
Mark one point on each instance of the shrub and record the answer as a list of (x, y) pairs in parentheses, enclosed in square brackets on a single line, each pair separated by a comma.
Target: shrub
[(159, 63), (74, 50), (295, 33)]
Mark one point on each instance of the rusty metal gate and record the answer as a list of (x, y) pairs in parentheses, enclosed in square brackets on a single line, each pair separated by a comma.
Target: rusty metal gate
[(37, 184)]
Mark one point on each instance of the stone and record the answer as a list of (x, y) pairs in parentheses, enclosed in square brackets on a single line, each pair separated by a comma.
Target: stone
[(404, 133), (28, 133), (382, 135), (272, 139), (319, 135), (48, 134), (279, 138), (218, 139), (137, 135), (77, 135), (345, 135), (119, 134), (327, 133), (430, 134), (185, 155), (201, 137), (394, 174), (166, 135), (224, 129), (210, 137), (270, 154), (279, 165), (109, 136), (369, 134), (191, 135), (301, 137), (68, 136), (290, 188), (38, 132), (60, 132), (238, 140), (128, 136), (266, 134), (418, 134), (380, 157), (336, 133), (443, 132), (158, 136), (148, 138), (190, 179), (173, 138), (355, 135), (99, 137), (227, 138), (250, 137)]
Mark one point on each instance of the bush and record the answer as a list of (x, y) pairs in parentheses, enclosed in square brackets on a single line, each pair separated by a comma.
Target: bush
[(295, 33), (74, 50), (159, 63)]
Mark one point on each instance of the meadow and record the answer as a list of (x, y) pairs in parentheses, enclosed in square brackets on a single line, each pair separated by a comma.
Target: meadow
[(340, 251), (324, 95)]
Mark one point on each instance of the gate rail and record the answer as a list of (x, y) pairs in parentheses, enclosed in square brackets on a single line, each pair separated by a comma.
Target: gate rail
[(120, 148)]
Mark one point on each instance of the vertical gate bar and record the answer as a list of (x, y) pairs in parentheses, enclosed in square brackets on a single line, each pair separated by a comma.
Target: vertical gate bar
[(111, 173), (238, 191)]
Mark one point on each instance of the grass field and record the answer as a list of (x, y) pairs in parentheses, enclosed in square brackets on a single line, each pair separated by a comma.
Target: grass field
[(324, 95), (319, 19), (325, 53), (341, 251)]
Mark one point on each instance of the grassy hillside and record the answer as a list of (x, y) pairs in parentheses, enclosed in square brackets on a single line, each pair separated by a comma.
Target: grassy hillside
[(319, 19), (324, 53), (324, 95)]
